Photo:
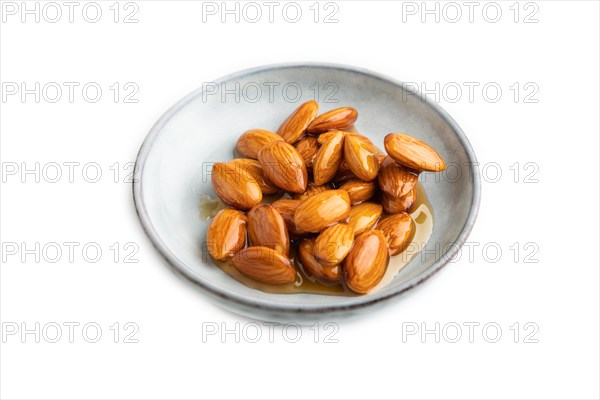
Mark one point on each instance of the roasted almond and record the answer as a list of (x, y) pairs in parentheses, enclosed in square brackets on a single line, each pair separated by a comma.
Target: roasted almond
[(333, 244), (265, 265), (413, 153), (295, 125), (364, 216), (226, 234), (398, 231), (328, 159), (287, 208), (313, 266), (254, 169), (251, 141), (338, 119), (311, 190), (284, 166), (360, 159), (366, 263), (321, 210), (308, 147), (394, 179), (359, 191), (396, 205), (234, 187), (266, 227)]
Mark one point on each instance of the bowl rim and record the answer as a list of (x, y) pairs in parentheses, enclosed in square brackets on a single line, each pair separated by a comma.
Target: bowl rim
[(268, 305)]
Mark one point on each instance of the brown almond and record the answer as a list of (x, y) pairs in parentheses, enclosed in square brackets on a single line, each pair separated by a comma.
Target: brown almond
[(370, 145), (398, 230), (284, 166), (287, 208), (308, 147), (333, 244), (265, 265), (413, 153), (311, 190), (344, 173), (364, 216), (313, 266), (234, 187), (251, 141), (359, 191), (266, 227), (328, 135), (295, 125), (321, 210), (361, 161), (226, 234), (254, 169), (337, 119), (394, 179), (396, 205), (328, 158), (366, 263)]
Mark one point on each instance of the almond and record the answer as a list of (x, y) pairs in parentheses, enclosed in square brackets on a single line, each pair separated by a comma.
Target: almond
[(359, 191), (394, 179), (344, 173), (251, 141), (370, 145), (254, 169), (333, 244), (234, 187), (226, 234), (364, 216), (328, 159), (265, 265), (311, 190), (360, 159), (313, 266), (413, 153), (307, 148), (338, 119), (398, 230), (366, 263), (295, 125), (284, 166), (326, 136), (396, 205), (286, 208), (321, 210), (266, 227)]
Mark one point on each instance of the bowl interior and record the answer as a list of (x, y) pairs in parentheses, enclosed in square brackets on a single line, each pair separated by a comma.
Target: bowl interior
[(177, 157)]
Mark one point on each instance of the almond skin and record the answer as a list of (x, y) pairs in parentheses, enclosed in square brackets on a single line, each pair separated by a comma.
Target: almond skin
[(326, 136), (308, 147), (226, 234), (338, 119), (359, 191), (333, 244), (235, 188), (251, 141), (286, 208), (394, 179), (366, 263), (313, 266), (284, 166), (370, 145), (265, 265), (361, 161), (364, 216), (344, 173), (396, 205), (328, 158), (295, 125), (398, 230), (321, 210), (254, 169), (266, 227), (413, 153), (311, 190)]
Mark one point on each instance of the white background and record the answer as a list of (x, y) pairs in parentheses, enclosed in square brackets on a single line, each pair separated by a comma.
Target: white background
[(169, 52)]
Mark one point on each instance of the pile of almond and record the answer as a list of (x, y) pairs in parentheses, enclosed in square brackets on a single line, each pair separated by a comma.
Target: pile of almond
[(342, 203)]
